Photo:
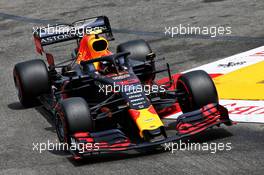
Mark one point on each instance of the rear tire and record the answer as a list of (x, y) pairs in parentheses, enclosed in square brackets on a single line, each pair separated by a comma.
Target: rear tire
[(31, 80), (199, 89), (72, 116), (139, 50)]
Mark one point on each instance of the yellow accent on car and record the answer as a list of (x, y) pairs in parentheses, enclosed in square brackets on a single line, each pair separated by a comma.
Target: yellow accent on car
[(98, 31), (147, 121)]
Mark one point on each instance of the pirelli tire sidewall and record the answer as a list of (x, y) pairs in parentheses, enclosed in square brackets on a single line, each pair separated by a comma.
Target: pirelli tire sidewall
[(199, 90)]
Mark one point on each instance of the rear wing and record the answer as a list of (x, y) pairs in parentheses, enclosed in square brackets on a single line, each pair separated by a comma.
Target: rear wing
[(58, 33)]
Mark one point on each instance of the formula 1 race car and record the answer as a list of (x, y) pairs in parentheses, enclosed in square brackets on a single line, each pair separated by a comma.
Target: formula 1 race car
[(119, 108)]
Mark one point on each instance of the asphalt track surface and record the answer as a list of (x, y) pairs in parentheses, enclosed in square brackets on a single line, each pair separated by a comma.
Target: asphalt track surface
[(20, 128)]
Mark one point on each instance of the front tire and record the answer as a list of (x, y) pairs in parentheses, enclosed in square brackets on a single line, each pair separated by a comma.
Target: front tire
[(199, 90), (73, 115)]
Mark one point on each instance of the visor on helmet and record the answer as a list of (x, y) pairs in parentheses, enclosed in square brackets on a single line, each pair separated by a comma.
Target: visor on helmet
[(99, 45)]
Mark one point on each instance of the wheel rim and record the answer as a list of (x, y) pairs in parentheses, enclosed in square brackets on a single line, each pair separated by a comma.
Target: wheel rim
[(185, 102)]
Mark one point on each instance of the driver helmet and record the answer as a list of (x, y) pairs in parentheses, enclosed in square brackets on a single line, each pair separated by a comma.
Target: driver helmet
[(96, 46)]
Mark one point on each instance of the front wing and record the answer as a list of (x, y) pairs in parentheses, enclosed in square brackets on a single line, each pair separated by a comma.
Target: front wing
[(186, 125)]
